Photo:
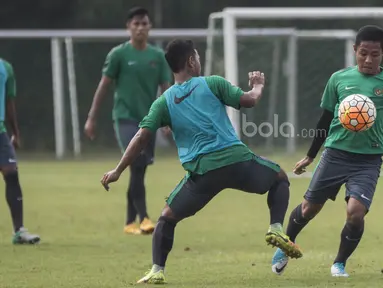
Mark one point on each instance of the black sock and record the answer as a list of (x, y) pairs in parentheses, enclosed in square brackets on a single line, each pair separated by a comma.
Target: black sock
[(349, 240), (14, 198), (163, 238), (137, 190), (296, 223), (131, 213), (278, 201)]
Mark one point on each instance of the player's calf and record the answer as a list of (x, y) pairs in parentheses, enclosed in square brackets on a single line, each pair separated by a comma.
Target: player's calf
[(15, 202), (350, 236), (277, 200), (13, 195), (163, 238)]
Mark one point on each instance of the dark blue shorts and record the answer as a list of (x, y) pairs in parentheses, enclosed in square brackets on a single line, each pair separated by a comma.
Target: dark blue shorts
[(125, 131), (360, 173), (7, 152)]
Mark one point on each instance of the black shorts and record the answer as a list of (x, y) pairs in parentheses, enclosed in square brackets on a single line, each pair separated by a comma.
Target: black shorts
[(359, 172), (125, 131), (7, 152), (195, 191)]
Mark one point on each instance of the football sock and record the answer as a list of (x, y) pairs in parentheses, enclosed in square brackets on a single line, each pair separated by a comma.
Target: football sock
[(163, 238), (278, 201), (131, 213), (137, 191), (349, 240), (296, 223), (14, 198)]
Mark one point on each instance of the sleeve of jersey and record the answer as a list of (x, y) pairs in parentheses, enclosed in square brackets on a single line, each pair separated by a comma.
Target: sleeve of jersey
[(157, 117), (111, 64), (226, 92), (330, 97), (10, 86), (165, 74)]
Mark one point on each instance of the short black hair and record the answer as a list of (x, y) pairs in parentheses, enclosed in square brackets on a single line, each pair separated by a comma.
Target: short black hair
[(369, 33), (137, 11), (178, 52)]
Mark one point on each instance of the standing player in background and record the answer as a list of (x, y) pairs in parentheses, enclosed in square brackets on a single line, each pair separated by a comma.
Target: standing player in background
[(8, 165), (137, 70), (209, 150), (350, 158)]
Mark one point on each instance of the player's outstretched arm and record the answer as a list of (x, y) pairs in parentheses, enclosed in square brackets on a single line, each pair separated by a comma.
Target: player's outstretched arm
[(99, 95), (256, 82), (321, 132), (138, 143)]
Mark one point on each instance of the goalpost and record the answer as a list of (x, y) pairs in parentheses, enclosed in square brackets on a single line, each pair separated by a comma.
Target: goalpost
[(230, 16)]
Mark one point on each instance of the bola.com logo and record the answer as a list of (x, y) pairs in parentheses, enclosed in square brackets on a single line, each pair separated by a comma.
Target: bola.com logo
[(276, 129)]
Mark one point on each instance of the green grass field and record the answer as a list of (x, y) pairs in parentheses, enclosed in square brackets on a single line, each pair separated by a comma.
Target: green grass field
[(222, 246)]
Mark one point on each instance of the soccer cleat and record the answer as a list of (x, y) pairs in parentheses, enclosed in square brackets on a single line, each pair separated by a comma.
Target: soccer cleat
[(338, 270), (132, 229), (147, 226), (279, 262), (24, 237), (276, 238), (151, 277)]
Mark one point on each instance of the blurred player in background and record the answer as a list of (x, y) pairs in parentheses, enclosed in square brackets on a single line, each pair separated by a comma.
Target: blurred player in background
[(209, 150), (137, 70), (8, 164), (350, 158)]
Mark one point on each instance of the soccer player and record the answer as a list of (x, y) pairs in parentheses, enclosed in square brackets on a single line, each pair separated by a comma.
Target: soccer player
[(137, 70), (209, 150), (349, 158), (8, 164)]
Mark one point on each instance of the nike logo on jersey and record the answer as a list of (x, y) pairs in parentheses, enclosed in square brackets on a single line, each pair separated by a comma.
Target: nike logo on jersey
[(348, 88), (178, 100)]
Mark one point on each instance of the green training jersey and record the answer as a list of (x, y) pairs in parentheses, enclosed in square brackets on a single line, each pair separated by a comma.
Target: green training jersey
[(344, 83), (7, 89), (229, 95), (137, 75)]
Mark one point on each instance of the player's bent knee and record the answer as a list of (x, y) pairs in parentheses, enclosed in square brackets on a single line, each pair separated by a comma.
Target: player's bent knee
[(282, 177), (168, 213), (356, 211), (9, 170), (310, 210)]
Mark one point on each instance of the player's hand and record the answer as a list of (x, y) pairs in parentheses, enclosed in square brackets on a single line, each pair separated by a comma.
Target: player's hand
[(90, 128), (300, 167), (256, 78), (166, 131), (110, 177), (15, 140)]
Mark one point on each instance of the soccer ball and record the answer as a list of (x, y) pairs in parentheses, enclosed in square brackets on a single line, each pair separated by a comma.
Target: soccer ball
[(357, 113)]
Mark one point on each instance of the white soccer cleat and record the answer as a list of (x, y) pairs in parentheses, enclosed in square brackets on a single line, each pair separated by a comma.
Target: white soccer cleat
[(279, 262), (338, 270)]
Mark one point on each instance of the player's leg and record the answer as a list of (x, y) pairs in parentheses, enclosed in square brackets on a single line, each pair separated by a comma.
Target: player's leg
[(136, 193), (146, 225), (192, 194), (13, 193), (360, 189), (261, 176), (328, 177)]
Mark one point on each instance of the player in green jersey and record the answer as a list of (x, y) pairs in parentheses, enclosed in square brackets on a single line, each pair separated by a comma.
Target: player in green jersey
[(209, 150), (137, 70), (349, 158), (8, 163)]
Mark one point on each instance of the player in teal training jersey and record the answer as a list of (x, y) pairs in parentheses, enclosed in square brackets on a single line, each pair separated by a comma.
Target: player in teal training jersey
[(350, 158), (209, 150), (8, 165)]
